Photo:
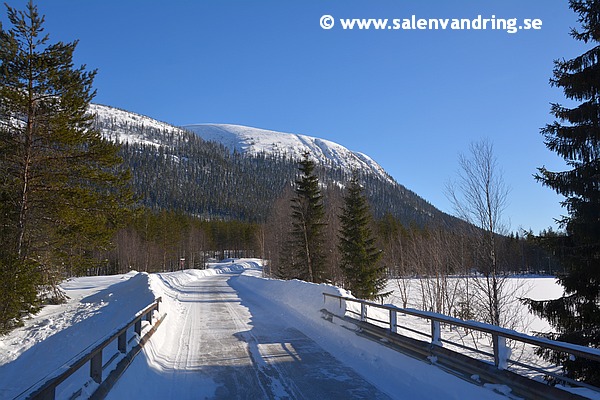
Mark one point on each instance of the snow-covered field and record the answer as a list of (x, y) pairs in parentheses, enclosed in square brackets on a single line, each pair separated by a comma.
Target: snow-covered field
[(227, 333), (421, 294)]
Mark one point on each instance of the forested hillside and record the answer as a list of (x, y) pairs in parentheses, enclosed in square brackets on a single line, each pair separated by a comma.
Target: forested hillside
[(174, 169)]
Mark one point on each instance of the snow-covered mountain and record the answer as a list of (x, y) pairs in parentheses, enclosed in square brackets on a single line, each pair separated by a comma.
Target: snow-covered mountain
[(245, 139), (128, 127), (174, 167)]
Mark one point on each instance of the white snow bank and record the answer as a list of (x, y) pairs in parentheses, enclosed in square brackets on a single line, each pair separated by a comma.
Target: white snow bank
[(59, 334), (397, 374), (288, 293), (166, 284), (98, 305)]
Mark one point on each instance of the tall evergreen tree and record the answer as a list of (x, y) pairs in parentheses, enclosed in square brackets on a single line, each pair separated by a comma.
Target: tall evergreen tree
[(305, 257), (575, 136), (359, 256), (61, 193)]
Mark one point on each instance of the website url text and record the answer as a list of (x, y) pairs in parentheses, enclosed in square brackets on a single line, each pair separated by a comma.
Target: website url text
[(509, 25)]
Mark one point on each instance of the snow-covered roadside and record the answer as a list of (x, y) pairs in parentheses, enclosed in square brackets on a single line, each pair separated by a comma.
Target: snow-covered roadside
[(390, 371), (60, 333), (396, 374), (99, 304)]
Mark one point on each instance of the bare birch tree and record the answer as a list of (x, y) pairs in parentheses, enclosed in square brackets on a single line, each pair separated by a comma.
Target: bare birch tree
[(480, 196)]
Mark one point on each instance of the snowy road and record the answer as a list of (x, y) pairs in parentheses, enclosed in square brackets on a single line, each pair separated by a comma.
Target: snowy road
[(219, 343)]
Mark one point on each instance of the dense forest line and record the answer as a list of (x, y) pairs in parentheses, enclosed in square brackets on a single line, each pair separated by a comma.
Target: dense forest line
[(159, 241)]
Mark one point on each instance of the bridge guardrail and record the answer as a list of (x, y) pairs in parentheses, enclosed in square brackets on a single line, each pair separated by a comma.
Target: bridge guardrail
[(47, 391), (501, 353)]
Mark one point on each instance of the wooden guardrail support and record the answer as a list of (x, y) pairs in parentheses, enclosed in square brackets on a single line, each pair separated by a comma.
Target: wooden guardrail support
[(138, 327), (501, 351), (96, 367), (47, 391), (122, 342)]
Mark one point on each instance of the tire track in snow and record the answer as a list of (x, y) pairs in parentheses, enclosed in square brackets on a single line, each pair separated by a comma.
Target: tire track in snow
[(217, 343), (268, 376)]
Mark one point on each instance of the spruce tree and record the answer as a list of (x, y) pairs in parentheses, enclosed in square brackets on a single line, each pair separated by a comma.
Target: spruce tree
[(575, 136), (359, 256), (62, 195), (305, 257)]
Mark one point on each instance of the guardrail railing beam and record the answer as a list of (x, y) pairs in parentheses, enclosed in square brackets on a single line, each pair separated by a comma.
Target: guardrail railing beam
[(47, 391), (501, 352)]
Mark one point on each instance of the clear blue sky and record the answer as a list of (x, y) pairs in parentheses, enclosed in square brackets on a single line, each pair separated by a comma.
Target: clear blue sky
[(412, 100)]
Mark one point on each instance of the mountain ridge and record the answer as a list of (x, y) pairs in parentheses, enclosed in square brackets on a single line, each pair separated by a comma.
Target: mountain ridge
[(253, 140), (121, 123), (243, 174), (241, 138)]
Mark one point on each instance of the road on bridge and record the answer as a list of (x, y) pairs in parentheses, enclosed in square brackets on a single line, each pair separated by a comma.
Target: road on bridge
[(218, 344)]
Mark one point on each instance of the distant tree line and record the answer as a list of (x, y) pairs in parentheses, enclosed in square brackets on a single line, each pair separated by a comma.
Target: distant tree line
[(164, 241)]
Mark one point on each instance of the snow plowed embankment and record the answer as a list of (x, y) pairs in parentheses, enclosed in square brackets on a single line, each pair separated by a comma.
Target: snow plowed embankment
[(394, 373), (59, 334), (228, 333), (218, 341)]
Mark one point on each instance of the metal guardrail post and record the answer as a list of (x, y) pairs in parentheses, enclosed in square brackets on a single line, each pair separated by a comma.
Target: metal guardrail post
[(363, 312), (501, 351), (122, 342), (436, 333), (138, 326), (393, 321)]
